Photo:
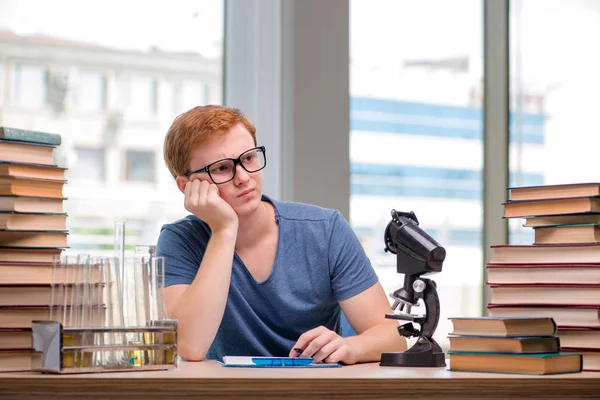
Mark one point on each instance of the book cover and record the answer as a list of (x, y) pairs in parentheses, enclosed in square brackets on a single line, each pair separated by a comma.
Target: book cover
[(563, 314), (547, 207), (545, 293), (31, 204), (503, 326), (494, 344), (547, 253), (24, 152), (28, 170), (582, 273), (26, 135), (554, 191), (533, 364)]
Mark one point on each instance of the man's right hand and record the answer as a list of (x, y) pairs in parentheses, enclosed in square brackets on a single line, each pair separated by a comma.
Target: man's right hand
[(203, 200)]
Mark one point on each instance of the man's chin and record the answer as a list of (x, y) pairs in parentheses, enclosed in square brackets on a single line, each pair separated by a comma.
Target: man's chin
[(246, 207)]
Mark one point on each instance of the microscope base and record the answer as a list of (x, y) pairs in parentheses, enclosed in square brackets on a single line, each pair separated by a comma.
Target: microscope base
[(425, 353)]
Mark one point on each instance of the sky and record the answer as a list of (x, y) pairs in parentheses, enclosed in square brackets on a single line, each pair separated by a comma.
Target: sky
[(176, 25)]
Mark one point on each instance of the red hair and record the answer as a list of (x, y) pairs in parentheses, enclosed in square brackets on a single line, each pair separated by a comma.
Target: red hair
[(194, 127)]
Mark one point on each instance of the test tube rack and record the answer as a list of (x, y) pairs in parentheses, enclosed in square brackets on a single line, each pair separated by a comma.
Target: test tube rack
[(60, 350)]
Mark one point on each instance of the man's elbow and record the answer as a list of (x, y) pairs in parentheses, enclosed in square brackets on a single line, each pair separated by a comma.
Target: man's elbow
[(190, 353)]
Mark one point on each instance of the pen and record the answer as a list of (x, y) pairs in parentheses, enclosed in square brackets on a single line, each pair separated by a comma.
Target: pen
[(298, 350)]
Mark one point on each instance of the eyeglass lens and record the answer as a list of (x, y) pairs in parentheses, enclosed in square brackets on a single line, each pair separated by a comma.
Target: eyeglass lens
[(252, 161)]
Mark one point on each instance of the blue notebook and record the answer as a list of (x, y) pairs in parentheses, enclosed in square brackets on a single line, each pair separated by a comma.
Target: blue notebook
[(273, 362)]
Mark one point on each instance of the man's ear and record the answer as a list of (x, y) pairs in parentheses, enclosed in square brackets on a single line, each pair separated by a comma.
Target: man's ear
[(181, 181)]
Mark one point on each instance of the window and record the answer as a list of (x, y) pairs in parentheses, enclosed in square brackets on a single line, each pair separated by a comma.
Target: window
[(416, 136), (29, 85), (143, 96), (90, 91), (88, 165), (123, 90), (140, 166), (193, 94), (555, 78)]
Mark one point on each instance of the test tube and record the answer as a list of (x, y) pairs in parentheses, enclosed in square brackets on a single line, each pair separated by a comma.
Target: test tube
[(56, 289), (119, 250)]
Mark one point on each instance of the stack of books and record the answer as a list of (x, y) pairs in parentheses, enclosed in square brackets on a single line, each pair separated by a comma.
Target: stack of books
[(509, 345), (32, 232), (558, 275)]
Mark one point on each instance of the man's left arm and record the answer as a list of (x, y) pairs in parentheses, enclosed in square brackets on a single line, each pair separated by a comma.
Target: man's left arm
[(363, 302), (375, 333)]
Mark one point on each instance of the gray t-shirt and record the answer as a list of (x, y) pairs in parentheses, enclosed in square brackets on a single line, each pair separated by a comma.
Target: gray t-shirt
[(319, 261)]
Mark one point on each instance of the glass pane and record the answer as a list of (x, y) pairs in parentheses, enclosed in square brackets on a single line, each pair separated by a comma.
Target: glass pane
[(140, 166), (88, 165), (90, 91), (416, 136), (107, 76), (143, 100), (29, 87), (555, 78), (193, 94)]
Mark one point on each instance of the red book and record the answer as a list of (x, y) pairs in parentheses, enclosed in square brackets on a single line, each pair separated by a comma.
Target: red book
[(568, 315), (545, 293), (582, 273)]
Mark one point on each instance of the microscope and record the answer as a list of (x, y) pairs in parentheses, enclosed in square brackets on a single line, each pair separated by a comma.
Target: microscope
[(417, 255)]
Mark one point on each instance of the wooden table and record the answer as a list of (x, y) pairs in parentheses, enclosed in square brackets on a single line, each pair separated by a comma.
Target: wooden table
[(366, 381)]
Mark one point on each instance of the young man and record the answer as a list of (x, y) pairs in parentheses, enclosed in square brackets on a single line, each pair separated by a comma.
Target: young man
[(248, 275)]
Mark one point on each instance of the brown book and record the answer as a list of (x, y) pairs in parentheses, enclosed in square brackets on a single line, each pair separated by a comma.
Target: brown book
[(35, 171), (580, 337), (549, 344), (14, 185), (531, 208), (545, 294), (534, 364), (44, 274), (31, 204), (569, 219), (554, 191), (591, 357), (563, 314), (15, 360), (27, 255), (41, 239), (498, 274), (567, 234), (33, 221), (13, 273), (22, 316), (41, 295), (503, 327), (32, 153), (546, 254), (15, 338)]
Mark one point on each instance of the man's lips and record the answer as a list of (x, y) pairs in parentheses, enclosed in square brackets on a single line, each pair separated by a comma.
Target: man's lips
[(245, 192)]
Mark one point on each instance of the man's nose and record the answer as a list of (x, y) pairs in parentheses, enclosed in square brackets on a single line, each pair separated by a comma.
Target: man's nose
[(241, 175)]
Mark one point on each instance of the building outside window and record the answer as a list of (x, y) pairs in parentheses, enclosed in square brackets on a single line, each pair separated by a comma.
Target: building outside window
[(89, 165), (143, 96), (193, 94), (29, 85), (119, 71), (90, 91), (140, 166)]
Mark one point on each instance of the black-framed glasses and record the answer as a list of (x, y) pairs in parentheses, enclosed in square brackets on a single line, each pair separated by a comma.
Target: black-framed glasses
[(222, 171)]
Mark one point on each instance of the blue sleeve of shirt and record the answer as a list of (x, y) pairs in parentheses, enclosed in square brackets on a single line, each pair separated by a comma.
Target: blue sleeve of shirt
[(350, 268), (182, 256)]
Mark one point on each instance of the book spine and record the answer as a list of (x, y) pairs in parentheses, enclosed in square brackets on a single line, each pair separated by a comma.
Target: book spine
[(23, 135)]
